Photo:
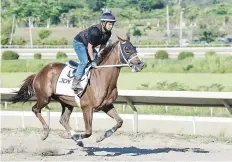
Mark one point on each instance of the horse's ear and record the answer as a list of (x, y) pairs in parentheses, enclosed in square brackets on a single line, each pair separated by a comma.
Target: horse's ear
[(120, 39)]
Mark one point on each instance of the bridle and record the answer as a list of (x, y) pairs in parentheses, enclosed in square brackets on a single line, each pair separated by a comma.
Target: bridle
[(124, 57)]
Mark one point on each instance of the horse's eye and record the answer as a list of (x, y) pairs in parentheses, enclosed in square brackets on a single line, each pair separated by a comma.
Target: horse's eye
[(127, 49)]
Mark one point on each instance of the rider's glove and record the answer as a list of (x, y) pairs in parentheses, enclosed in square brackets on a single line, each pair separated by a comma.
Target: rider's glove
[(93, 63)]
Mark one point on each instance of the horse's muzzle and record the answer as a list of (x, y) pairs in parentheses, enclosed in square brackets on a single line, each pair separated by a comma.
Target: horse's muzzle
[(138, 67)]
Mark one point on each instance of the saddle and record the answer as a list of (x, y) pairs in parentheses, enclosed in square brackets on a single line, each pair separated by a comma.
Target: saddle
[(64, 83)]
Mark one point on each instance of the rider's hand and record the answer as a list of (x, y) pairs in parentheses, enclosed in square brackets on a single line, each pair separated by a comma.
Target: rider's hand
[(93, 63)]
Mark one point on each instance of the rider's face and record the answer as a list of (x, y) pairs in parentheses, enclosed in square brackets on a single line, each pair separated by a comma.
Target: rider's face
[(109, 26)]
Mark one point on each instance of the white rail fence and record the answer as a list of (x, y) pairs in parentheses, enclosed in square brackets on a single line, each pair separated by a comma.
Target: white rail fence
[(142, 97)]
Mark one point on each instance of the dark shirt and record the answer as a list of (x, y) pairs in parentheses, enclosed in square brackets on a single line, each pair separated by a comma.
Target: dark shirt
[(93, 35)]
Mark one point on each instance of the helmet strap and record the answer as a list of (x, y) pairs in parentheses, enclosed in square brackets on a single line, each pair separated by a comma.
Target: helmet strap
[(104, 26)]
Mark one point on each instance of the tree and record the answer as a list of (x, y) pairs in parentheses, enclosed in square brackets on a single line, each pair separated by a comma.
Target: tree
[(210, 34), (68, 5), (130, 13), (5, 8), (50, 10), (5, 31), (66, 18), (147, 5), (192, 12), (96, 5), (136, 32), (82, 15)]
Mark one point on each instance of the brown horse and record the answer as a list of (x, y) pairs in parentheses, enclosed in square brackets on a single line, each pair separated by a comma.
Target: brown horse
[(100, 93)]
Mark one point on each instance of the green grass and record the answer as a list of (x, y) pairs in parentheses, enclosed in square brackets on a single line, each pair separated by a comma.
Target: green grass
[(135, 80), (213, 64), (26, 65), (131, 80)]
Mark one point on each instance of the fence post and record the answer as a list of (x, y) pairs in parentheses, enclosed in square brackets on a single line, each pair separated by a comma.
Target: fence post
[(22, 117), (5, 105), (226, 104), (76, 120), (48, 115), (135, 117), (166, 109), (211, 111), (123, 108), (194, 125)]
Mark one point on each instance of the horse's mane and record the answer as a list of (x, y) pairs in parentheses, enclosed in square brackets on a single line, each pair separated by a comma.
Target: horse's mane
[(108, 48)]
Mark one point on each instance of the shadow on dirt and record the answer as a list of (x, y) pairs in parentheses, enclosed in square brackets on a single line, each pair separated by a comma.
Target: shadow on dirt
[(134, 151)]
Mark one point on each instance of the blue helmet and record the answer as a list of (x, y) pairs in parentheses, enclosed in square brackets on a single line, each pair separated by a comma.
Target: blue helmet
[(108, 16)]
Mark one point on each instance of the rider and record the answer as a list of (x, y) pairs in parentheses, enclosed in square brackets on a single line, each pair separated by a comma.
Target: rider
[(85, 42)]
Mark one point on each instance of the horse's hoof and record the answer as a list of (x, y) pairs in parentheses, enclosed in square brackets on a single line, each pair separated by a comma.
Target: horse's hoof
[(100, 138), (44, 136), (80, 143), (76, 137)]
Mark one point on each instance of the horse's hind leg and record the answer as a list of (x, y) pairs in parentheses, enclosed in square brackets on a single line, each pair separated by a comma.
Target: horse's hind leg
[(37, 110), (111, 111)]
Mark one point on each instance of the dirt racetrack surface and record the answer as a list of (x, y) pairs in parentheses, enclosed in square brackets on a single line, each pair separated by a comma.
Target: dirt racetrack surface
[(19, 144)]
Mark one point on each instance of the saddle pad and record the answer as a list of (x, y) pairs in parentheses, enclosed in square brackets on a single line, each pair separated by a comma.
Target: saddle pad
[(64, 82)]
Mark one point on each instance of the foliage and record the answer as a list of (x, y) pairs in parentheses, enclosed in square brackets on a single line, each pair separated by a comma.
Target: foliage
[(10, 55), (177, 86), (96, 5), (19, 41), (130, 13), (56, 12), (63, 41), (213, 64), (37, 56), (209, 34), (210, 53), (5, 31), (183, 55), (161, 54), (61, 55), (150, 4), (44, 33)]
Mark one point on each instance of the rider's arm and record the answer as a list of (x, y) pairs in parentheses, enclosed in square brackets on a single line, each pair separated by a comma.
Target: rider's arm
[(90, 51), (94, 36)]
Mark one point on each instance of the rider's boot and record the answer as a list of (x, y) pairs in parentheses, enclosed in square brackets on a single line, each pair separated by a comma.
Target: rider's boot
[(75, 82)]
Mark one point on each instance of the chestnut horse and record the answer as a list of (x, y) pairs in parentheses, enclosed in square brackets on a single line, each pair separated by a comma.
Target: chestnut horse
[(99, 94)]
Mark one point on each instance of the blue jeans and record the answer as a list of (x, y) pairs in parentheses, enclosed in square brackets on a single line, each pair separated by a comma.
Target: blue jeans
[(82, 53)]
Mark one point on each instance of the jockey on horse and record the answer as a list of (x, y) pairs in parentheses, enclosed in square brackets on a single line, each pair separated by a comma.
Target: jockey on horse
[(85, 42)]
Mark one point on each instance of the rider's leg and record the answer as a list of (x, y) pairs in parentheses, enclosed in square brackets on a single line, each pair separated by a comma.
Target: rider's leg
[(81, 52)]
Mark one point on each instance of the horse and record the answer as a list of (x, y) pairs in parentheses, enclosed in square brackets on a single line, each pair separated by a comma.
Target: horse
[(99, 94)]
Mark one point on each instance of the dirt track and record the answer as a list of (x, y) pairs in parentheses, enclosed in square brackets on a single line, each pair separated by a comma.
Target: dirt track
[(17, 144)]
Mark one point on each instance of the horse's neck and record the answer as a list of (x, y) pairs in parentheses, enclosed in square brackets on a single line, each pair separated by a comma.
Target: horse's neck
[(111, 73), (112, 58)]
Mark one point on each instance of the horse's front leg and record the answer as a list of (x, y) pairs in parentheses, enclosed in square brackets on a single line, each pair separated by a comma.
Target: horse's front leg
[(88, 117), (111, 111)]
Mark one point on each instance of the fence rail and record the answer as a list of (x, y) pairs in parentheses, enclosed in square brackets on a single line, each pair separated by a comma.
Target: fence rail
[(144, 97)]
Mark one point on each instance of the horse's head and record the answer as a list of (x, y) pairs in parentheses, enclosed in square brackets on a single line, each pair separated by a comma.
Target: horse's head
[(128, 55)]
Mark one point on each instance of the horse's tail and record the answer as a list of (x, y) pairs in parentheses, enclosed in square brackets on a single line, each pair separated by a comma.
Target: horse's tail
[(25, 92)]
